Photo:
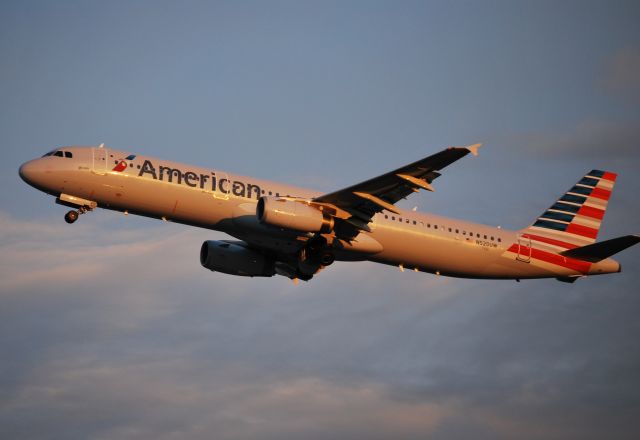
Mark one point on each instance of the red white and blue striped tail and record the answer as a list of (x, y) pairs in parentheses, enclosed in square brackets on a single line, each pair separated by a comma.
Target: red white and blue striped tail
[(575, 219)]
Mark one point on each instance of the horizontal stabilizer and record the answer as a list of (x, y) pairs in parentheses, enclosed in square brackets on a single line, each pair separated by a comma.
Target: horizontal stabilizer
[(599, 251), (570, 280)]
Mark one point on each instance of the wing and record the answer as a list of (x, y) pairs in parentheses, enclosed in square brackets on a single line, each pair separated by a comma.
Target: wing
[(365, 199)]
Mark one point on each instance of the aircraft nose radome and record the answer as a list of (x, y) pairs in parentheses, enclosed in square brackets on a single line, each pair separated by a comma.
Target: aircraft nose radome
[(27, 171), (32, 172)]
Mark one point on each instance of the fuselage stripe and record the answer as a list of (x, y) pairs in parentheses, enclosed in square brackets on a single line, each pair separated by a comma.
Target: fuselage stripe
[(548, 257)]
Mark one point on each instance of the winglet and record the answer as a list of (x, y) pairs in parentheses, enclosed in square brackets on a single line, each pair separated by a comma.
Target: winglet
[(101, 145), (474, 148)]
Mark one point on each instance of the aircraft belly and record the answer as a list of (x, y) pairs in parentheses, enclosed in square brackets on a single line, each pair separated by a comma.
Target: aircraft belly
[(445, 255)]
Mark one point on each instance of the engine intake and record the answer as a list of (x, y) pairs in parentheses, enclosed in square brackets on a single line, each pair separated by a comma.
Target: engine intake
[(234, 258), (291, 214)]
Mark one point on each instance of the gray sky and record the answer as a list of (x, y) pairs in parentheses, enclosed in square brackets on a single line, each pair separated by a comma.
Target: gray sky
[(111, 329)]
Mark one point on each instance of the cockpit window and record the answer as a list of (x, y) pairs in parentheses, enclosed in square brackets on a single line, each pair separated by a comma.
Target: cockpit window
[(59, 153)]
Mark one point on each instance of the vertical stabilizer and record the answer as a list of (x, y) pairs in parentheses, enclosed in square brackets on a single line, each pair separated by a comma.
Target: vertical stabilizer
[(574, 220)]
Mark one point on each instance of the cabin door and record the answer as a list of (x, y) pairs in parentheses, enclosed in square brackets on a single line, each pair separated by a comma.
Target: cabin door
[(100, 163), (524, 249)]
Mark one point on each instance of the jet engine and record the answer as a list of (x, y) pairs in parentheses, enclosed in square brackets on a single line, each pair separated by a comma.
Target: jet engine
[(233, 258), (292, 214)]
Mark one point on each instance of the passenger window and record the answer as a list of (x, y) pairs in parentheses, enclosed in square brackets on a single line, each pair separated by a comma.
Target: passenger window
[(68, 154), (492, 239), (408, 221), (415, 223), (399, 219), (386, 216), (58, 153), (457, 231), (435, 226), (428, 225), (499, 239), (450, 230), (464, 232), (485, 237)]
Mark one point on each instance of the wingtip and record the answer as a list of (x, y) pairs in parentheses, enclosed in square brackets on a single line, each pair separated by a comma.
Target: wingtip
[(474, 148)]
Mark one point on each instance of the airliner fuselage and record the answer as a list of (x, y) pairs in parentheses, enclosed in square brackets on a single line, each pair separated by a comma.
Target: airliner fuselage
[(90, 177)]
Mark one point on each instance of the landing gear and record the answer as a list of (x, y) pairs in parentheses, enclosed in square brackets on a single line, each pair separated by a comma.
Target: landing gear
[(80, 205), (313, 257), (71, 216), (327, 258)]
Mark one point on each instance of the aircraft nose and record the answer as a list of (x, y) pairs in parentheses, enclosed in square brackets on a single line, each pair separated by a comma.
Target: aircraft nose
[(27, 171), (33, 172)]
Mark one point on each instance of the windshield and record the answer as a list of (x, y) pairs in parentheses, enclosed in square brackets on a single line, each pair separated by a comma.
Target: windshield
[(59, 153)]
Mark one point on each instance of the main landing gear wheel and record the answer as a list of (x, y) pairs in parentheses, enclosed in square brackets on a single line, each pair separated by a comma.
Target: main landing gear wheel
[(71, 216), (327, 259)]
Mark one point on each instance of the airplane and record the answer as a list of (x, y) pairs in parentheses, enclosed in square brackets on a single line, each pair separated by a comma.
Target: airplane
[(296, 232)]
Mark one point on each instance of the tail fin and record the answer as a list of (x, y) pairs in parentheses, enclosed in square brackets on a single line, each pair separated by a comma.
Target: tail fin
[(576, 217)]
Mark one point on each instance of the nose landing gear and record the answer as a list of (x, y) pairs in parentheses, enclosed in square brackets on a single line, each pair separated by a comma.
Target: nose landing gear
[(82, 206), (71, 216)]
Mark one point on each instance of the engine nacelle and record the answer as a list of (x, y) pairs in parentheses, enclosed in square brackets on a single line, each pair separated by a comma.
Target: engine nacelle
[(291, 214), (234, 259)]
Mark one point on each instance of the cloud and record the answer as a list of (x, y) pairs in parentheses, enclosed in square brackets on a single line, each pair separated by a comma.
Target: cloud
[(159, 399), (612, 140), (622, 74), (114, 331)]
